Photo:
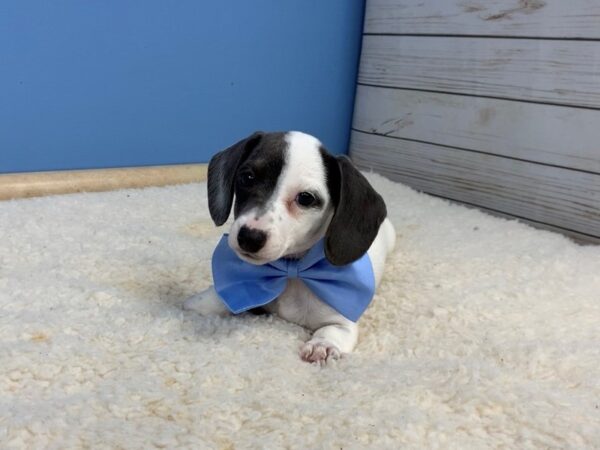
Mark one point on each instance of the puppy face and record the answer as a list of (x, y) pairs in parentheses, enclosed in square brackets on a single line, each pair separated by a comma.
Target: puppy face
[(282, 203), (289, 193)]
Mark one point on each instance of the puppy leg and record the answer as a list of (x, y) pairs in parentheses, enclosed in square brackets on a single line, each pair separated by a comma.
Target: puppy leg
[(380, 248), (329, 342), (206, 303)]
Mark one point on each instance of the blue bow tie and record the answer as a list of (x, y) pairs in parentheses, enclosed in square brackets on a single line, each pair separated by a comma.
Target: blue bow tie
[(243, 286)]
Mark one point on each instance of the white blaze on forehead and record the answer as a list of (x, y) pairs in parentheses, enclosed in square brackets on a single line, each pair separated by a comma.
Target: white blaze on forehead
[(303, 165)]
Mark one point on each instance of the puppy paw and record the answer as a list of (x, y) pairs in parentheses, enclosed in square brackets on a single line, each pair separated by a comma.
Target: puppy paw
[(193, 303), (206, 303), (319, 352)]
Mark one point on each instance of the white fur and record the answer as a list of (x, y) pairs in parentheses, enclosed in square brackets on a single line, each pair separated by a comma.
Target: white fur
[(292, 231)]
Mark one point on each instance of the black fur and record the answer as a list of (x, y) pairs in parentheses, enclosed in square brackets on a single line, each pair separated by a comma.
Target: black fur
[(222, 169), (359, 211), (262, 154), (266, 164)]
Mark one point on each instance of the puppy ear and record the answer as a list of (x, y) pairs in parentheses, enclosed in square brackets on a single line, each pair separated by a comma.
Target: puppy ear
[(222, 169), (359, 211)]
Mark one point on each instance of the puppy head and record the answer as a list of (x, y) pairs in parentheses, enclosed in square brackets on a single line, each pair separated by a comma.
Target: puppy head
[(289, 193)]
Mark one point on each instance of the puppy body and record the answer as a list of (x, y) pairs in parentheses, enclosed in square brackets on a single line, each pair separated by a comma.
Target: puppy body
[(290, 193), (333, 333)]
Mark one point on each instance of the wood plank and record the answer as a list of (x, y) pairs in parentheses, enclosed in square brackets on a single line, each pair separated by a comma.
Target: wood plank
[(559, 197), (547, 71), (548, 134), (38, 184), (538, 18)]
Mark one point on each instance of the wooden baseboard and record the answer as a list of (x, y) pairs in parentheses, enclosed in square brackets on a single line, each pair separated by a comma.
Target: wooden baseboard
[(37, 184)]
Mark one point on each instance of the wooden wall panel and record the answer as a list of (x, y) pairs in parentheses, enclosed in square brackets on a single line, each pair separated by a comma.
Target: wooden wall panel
[(558, 135), (544, 194), (531, 18), (495, 104), (548, 71)]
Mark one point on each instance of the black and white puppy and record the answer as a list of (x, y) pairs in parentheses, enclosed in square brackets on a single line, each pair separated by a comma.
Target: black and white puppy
[(290, 193)]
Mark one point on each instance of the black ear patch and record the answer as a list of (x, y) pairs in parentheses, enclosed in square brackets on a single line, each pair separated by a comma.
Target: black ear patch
[(359, 211), (222, 169)]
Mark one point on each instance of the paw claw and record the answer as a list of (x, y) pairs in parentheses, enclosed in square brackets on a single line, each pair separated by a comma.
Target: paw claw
[(333, 353), (306, 351)]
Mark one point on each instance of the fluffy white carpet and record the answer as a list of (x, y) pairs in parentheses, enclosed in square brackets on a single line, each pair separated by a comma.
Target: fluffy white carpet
[(484, 334)]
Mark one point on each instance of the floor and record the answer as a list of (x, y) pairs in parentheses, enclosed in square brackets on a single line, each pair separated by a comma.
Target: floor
[(485, 333)]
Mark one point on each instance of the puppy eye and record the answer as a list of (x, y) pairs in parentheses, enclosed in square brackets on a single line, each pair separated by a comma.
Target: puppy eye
[(305, 199), (246, 179)]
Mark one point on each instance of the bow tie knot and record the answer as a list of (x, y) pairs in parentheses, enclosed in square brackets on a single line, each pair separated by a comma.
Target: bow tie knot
[(242, 286), (292, 268)]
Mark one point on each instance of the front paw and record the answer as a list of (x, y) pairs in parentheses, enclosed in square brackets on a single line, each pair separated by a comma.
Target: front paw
[(319, 352), (193, 303), (206, 303)]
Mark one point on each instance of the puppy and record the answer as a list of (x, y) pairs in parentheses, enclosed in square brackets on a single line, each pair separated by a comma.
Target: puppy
[(290, 194)]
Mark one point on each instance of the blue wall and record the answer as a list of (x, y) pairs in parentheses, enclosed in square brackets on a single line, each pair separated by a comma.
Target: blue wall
[(119, 83)]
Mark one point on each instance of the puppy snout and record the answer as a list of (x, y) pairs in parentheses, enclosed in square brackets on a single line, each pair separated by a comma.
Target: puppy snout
[(251, 240)]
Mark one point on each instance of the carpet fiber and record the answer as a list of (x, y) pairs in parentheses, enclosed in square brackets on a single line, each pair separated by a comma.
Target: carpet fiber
[(485, 333)]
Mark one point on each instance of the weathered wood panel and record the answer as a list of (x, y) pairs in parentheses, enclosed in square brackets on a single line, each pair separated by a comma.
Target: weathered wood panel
[(546, 71), (558, 135), (551, 195), (495, 104), (538, 18)]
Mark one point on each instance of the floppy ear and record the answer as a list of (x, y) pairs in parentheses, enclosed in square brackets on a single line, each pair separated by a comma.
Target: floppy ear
[(359, 211), (222, 169)]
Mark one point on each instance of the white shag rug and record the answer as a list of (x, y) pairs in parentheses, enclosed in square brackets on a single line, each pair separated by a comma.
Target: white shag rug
[(485, 333)]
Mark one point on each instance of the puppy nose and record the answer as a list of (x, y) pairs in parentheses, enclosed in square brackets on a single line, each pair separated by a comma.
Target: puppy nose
[(251, 240)]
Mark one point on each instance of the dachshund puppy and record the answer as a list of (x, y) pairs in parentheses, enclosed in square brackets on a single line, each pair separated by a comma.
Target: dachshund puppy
[(294, 200)]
